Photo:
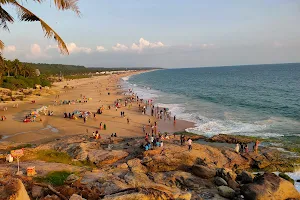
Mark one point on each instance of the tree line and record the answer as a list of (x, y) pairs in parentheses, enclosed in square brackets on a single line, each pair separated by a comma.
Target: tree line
[(16, 75)]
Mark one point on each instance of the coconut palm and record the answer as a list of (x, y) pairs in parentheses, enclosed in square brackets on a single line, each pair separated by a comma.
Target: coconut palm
[(26, 15), (7, 66), (27, 71)]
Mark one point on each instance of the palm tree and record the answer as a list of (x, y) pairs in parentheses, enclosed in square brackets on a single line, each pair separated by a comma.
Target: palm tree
[(16, 66), (26, 15), (28, 71), (7, 66)]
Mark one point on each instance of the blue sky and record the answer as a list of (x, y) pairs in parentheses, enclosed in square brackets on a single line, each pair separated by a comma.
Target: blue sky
[(162, 33)]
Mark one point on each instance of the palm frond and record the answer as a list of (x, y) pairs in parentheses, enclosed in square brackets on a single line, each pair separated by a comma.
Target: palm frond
[(1, 50), (5, 1), (64, 5), (67, 5), (4, 18), (1, 45), (26, 15)]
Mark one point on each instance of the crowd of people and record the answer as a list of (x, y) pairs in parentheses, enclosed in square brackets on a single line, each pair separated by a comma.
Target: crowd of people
[(244, 147)]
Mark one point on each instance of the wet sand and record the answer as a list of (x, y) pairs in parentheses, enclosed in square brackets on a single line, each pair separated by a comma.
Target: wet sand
[(52, 127)]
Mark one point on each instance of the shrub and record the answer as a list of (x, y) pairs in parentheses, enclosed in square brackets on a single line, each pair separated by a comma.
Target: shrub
[(286, 177), (56, 178)]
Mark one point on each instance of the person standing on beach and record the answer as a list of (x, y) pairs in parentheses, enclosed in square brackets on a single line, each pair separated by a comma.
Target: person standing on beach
[(256, 146), (190, 144), (174, 119), (181, 140), (127, 120), (237, 148), (144, 130)]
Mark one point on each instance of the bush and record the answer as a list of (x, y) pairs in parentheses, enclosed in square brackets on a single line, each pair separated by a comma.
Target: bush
[(20, 82), (56, 178), (286, 177)]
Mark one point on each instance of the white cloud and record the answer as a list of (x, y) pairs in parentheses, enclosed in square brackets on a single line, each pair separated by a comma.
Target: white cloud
[(52, 47), (36, 52), (143, 44), (100, 49), (73, 48), (35, 49), (120, 47), (277, 44), (10, 48)]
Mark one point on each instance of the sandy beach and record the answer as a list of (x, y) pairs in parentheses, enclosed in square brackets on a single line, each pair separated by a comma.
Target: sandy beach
[(56, 126)]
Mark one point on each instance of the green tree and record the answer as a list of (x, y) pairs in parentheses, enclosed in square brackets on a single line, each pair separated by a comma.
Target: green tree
[(26, 15), (16, 67)]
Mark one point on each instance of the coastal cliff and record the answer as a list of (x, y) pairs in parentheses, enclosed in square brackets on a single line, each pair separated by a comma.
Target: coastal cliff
[(119, 168)]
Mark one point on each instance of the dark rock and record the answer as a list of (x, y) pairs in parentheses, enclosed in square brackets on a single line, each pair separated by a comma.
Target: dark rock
[(219, 181), (245, 177), (229, 139), (233, 184), (226, 192), (203, 171), (269, 186), (37, 191)]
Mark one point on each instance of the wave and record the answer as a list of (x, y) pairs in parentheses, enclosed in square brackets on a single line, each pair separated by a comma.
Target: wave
[(209, 119)]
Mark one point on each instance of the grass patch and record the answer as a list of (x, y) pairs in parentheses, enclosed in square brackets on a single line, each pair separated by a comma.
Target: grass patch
[(61, 157), (56, 178), (54, 156)]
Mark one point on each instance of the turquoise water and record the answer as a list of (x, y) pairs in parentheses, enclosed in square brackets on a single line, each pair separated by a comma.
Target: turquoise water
[(260, 100)]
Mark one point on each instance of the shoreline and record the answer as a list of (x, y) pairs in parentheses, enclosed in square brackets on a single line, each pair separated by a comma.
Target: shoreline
[(53, 127)]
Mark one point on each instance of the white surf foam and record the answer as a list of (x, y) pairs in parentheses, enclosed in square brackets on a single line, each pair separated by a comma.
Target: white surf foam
[(206, 121)]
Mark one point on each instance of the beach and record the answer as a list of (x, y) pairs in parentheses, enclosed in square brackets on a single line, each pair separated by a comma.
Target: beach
[(96, 89)]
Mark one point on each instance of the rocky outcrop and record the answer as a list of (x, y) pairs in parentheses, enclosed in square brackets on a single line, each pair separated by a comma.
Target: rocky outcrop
[(226, 192), (269, 186), (126, 171), (103, 157), (232, 139), (13, 189), (203, 171)]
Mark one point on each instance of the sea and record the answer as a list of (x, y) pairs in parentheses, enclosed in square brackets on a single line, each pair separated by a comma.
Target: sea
[(252, 100), (257, 100)]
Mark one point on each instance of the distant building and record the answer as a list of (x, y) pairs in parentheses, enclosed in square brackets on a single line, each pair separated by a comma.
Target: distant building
[(37, 72)]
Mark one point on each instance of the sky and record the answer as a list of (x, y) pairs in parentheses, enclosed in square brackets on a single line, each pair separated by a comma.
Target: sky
[(160, 33)]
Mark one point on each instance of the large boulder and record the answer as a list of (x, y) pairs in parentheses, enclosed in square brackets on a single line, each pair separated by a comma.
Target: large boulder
[(137, 179), (220, 181), (271, 187), (37, 191), (203, 171), (13, 189), (104, 157), (136, 166), (226, 192), (5, 91)]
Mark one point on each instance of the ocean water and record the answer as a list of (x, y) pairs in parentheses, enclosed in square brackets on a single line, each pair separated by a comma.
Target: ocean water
[(257, 100)]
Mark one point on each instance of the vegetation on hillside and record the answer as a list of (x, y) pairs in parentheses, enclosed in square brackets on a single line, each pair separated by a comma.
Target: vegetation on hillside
[(15, 75)]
